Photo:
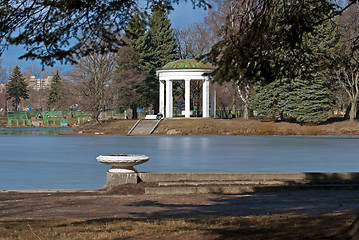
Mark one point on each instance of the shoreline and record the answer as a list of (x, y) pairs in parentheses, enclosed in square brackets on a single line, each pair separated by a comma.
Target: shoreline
[(223, 127), (214, 127)]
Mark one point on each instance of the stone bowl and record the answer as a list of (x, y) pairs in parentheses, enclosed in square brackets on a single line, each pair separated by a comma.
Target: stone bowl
[(122, 163)]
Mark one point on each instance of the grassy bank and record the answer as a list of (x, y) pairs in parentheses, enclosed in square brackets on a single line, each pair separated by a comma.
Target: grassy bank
[(231, 227), (226, 127)]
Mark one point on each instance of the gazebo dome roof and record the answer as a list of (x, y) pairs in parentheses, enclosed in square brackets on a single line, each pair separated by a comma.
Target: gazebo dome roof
[(186, 64)]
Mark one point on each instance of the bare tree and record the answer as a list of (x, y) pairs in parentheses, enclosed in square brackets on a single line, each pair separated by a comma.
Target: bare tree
[(94, 75), (194, 41), (348, 77), (226, 19), (244, 94), (227, 96), (38, 72), (347, 73)]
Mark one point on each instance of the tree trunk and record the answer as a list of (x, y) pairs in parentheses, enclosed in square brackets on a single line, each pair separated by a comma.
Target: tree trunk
[(16, 105), (134, 113), (281, 116), (156, 107), (244, 95), (245, 111), (353, 110), (95, 115), (347, 112)]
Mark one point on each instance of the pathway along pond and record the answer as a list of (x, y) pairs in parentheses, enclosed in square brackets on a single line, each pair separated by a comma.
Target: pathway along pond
[(69, 162)]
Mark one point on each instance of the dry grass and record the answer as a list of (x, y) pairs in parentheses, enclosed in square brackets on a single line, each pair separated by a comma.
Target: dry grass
[(253, 127), (221, 127), (249, 227), (225, 127)]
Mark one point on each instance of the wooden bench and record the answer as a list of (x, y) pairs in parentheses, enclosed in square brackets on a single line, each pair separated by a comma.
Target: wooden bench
[(151, 117)]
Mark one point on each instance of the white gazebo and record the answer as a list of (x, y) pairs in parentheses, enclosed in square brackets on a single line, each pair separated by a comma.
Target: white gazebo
[(183, 70)]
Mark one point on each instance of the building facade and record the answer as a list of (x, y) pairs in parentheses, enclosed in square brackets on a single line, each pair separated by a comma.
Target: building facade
[(39, 84)]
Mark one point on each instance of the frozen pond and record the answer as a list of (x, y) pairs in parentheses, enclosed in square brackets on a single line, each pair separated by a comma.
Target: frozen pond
[(34, 131), (69, 162)]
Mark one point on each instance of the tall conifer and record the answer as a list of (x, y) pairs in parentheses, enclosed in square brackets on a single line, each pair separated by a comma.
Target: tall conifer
[(54, 94), (158, 47), (17, 87), (301, 87), (129, 75)]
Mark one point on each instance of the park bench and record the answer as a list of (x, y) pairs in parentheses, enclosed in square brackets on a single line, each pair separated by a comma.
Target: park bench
[(151, 117)]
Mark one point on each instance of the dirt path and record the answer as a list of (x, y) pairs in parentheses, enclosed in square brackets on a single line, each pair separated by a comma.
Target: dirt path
[(98, 205)]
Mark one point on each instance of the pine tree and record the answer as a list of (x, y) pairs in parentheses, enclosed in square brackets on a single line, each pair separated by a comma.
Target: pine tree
[(146, 51), (157, 48), (135, 29), (311, 87), (130, 78), (270, 99), (159, 43), (300, 87), (54, 94), (16, 87)]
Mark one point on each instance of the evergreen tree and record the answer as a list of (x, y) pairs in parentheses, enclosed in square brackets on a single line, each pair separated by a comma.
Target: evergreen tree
[(157, 47), (310, 96), (159, 44), (300, 87), (54, 94), (146, 51), (130, 78), (135, 29), (270, 99), (16, 87)]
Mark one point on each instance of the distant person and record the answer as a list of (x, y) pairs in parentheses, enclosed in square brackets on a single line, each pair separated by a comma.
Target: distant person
[(159, 116)]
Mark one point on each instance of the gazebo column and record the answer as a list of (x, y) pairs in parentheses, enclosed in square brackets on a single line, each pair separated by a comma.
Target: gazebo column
[(187, 97), (205, 104), (169, 99), (213, 104), (162, 97)]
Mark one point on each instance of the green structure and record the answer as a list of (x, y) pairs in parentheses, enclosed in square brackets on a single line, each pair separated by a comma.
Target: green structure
[(53, 118), (186, 64), (85, 119), (16, 118), (82, 117)]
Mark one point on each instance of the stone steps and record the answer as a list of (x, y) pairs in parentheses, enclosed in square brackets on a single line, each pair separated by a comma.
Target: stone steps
[(144, 127)]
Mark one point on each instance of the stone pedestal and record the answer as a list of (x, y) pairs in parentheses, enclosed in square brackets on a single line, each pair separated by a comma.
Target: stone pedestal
[(122, 171), (116, 179)]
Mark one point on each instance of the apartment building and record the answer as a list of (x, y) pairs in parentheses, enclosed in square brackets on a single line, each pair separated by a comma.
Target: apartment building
[(38, 83)]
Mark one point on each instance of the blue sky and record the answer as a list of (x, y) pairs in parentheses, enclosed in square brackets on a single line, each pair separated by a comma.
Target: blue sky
[(182, 16)]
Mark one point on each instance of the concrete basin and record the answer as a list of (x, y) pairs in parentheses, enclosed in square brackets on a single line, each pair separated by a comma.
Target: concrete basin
[(122, 163)]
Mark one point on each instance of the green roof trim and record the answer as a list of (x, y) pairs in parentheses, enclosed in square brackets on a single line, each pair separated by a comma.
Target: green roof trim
[(186, 64)]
